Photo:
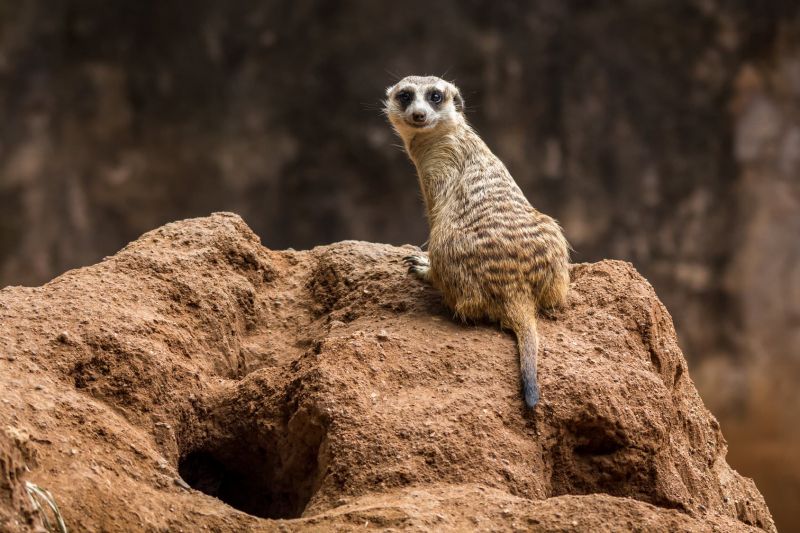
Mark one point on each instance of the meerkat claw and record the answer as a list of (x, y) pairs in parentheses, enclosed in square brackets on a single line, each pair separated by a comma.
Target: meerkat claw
[(416, 260), (418, 265), (422, 272)]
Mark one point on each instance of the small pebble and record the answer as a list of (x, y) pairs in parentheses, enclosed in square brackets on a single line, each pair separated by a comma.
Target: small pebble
[(383, 335)]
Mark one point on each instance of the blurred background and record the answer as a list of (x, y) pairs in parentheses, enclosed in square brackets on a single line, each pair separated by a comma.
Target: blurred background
[(666, 133)]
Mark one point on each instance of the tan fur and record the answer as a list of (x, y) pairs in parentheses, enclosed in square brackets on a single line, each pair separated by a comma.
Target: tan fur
[(491, 254)]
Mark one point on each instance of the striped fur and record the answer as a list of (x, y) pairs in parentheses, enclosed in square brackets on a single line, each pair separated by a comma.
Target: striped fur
[(490, 253)]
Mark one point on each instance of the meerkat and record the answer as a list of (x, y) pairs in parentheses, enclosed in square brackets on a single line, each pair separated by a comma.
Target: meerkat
[(490, 253)]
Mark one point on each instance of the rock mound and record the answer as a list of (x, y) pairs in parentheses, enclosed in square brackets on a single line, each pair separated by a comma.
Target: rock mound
[(198, 380)]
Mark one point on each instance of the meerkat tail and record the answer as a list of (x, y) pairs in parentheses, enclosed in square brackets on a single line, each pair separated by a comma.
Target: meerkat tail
[(524, 327), (528, 342)]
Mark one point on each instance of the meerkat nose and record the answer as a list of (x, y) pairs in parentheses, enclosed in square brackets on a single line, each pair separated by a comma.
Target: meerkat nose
[(419, 117)]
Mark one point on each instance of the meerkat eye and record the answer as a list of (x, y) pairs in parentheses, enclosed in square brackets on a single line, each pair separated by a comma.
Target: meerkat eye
[(404, 97), (435, 96)]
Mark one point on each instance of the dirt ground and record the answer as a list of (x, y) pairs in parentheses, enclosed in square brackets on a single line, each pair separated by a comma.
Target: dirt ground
[(199, 381)]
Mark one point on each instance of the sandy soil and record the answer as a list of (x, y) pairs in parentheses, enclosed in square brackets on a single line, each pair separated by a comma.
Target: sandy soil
[(199, 381)]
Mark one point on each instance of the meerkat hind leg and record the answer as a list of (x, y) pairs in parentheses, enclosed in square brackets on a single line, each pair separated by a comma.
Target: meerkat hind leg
[(553, 297), (419, 266)]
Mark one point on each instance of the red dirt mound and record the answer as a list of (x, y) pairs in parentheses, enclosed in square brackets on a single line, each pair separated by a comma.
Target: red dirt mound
[(198, 380)]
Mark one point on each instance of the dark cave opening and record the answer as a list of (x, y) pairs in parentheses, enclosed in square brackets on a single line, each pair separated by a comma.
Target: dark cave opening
[(245, 483)]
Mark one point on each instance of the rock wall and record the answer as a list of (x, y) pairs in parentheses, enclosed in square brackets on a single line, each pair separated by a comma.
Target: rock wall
[(328, 388)]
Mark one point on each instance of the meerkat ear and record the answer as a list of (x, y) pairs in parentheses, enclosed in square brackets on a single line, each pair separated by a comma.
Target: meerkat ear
[(389, 90), (458, 102)]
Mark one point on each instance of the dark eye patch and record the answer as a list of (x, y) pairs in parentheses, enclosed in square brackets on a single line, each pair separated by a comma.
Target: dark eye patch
[(404, 97), (435, 97)]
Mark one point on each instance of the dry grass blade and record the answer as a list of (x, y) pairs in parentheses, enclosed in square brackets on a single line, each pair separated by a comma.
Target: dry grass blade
[(39, 495)]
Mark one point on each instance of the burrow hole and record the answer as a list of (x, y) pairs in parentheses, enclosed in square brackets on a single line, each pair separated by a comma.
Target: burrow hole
[(598, 437), (261, 475)]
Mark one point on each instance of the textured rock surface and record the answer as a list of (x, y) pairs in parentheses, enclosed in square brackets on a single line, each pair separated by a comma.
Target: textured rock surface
[(16, 509), (328, 388)]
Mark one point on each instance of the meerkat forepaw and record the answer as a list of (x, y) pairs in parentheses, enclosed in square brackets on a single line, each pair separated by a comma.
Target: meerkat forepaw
[(422, 272), (419, 266)]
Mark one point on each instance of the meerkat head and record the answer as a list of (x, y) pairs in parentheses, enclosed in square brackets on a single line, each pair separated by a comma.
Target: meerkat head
[(423, 104)]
